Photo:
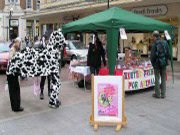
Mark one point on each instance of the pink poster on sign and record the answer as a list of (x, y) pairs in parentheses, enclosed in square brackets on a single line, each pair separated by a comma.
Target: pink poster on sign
[(107, 99)]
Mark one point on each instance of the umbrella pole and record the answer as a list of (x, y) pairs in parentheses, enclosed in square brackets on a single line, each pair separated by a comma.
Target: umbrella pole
[(108, 4)]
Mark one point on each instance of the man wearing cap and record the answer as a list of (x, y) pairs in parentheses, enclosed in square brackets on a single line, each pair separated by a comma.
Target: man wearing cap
[(159, 70)]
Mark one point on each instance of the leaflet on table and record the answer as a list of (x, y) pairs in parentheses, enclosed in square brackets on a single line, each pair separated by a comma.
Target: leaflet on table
[(145, 64)]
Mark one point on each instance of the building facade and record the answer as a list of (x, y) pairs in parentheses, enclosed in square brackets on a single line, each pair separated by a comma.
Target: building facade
[(11, 22), (55, 13)]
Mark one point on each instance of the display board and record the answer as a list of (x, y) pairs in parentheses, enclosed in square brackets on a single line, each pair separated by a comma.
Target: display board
[(108, 101)]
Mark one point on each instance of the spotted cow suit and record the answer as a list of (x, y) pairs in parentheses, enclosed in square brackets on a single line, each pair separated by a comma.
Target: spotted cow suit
[(32, 62)]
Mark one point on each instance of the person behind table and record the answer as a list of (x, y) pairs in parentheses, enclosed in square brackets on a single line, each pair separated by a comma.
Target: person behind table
[(158, 70), (13, 83), (95, 53)]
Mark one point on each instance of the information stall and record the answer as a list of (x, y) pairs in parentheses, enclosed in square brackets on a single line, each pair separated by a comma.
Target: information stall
[(112, 22), (135, 78)]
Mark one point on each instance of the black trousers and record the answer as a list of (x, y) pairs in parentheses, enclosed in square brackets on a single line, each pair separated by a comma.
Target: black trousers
[(43, 79), (14, 91)]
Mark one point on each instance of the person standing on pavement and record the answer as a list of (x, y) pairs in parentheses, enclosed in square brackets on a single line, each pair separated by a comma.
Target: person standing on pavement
[(13, 83), (159, 59), (26, 40), (43, 78), (95, 53)]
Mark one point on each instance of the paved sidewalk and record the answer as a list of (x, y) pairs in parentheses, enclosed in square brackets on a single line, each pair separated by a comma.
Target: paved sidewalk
[(145, 115)]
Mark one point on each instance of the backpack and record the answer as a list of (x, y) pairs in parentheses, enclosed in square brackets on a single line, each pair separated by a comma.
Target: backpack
[(161, 54)]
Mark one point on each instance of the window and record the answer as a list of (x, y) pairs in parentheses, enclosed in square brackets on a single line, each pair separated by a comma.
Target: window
[(28, 4), (13, 1), (37, 4)]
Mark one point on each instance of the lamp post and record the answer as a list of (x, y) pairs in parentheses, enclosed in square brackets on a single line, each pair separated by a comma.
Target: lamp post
[(10, 16)]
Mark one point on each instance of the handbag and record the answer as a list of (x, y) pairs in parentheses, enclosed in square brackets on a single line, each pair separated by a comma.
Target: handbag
[(36, 86), (6, 88)]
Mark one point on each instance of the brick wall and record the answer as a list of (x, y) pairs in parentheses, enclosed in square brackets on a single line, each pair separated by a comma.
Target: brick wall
[(23, 4), (2, 4)]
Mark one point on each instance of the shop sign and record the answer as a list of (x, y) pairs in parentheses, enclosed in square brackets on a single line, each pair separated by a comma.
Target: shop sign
[(14, 23), (151, 10), (139, 79)]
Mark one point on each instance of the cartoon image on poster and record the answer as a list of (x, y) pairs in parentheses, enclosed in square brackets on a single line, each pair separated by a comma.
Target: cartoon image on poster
[(107, 99)]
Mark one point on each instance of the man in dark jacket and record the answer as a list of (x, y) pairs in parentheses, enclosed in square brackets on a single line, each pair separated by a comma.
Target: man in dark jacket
[(157, 63), (95, 53)]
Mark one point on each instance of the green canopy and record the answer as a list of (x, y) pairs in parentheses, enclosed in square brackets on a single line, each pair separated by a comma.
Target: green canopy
[(110, 21)]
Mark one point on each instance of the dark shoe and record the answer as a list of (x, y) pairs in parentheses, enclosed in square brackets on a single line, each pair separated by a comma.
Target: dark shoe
[(58, 103), (163, 96), (55, 106), (155, 96), (41, 96), (19, 110)]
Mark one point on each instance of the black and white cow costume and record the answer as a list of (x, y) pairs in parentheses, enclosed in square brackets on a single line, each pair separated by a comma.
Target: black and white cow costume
[(32, 62)]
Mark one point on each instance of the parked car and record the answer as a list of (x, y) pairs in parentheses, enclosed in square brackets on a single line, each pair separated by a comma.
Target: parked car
[(4, 55), (75, 49), (37, 44)]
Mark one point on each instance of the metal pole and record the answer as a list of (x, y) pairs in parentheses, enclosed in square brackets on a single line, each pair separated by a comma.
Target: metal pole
[(108, 4), (7, 33), (10, 15)]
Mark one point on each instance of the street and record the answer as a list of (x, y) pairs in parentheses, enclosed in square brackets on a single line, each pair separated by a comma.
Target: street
[(145, 115), (122, 71)]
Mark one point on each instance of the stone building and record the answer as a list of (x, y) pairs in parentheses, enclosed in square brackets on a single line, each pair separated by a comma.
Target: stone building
[(12, 23)]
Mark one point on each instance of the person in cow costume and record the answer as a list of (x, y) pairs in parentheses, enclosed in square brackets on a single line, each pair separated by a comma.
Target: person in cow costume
[(33, 62)]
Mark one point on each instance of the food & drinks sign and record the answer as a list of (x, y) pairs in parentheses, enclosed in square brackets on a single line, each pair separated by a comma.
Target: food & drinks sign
[(158, 10)]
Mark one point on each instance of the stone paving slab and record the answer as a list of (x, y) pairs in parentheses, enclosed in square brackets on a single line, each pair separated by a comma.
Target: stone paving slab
[(145, 115)]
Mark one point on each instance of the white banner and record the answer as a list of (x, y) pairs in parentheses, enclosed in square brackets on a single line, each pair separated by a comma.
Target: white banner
[(139, 79), (122, 33)]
